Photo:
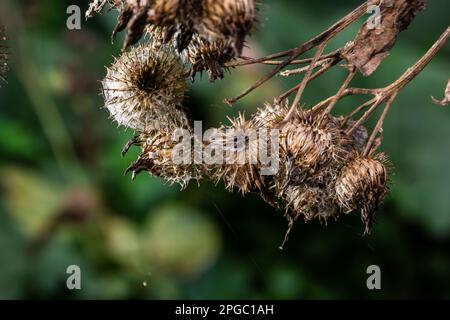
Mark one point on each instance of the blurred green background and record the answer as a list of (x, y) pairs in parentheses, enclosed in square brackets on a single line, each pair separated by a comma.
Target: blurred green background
[(64, 199)]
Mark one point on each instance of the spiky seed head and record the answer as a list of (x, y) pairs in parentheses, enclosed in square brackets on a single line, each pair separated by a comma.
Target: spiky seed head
[(362, 186), (210, 56), (313, 146), (144, 89), (181, 18), (159, 157), (310, 203), (270, 115), (314, 139), (231, 19), (165, 12), (241, 165), (3, 54), (311, 138)]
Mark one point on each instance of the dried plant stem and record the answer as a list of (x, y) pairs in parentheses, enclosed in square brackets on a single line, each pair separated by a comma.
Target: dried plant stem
[(377, 101), (360, 108), (292, 72), (345, 93), (314, 76), (417, 68), (344, 85), (388, 93), (379, 126), (302, 86), (268, 60), (314, 42)]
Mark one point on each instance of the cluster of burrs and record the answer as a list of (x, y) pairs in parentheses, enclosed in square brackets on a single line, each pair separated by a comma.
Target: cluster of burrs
[(207, 33), (322, 170)]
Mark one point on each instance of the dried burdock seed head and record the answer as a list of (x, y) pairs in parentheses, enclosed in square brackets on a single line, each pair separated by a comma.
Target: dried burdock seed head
[(313, 140), (240, 167), (362, 186), (181, 18), (144, 89), (4, 53), (230, 19), (313, 146), (310, 203), (167, 12), (132, 15), (210, 56), (270, 115), (161, 158)]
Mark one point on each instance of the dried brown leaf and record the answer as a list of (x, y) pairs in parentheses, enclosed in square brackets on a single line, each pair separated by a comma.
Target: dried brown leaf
[(373, 44), (446, 100)]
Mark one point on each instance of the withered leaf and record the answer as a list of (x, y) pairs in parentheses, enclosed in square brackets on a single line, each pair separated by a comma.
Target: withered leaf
[(373, 43), (446, 100)]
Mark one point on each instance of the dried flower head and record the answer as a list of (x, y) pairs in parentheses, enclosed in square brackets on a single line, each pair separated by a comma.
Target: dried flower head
[(239, 146), (3, 54), (180, 18), (210, 56), (161, 158), (230, 19), (313, 140), (270, 115), (362, 186), (145, 87), (310, 203)]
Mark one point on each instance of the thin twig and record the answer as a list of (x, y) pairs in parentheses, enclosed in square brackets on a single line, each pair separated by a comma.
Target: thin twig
[(379, 126), (385, 94), (327, 34), (360, 108), (417, 68), (345, 93), (293, 72), (344, 85), (377, 101), (314, 76), (302, 86), (268, 60)]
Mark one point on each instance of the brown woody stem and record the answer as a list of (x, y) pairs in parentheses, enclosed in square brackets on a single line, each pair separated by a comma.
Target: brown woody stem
[(314, 42)]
